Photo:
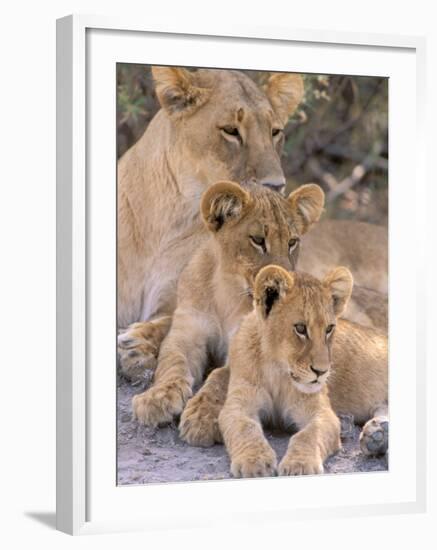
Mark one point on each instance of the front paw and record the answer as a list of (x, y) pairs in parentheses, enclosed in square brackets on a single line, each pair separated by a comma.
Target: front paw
[(137, 356), (374, 436), (294, 464), (255, 462), (161, 403), (199, 422)]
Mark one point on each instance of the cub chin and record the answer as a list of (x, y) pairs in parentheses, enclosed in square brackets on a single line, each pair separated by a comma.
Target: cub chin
[(280, 362), (249, 227)]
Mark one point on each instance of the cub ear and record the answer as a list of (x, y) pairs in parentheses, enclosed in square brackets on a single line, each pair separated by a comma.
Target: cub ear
[(176, 90), (340, 283), (307, 204), (223, 202), (271, 284), (285, 92)]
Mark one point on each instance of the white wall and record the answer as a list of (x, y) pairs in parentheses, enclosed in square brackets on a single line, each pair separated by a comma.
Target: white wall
[(27, 306)]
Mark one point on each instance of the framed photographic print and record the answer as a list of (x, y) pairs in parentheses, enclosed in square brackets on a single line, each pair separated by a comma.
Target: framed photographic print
[(234, 274)]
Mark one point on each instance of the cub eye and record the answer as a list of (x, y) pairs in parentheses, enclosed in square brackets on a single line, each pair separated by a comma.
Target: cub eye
[(231, 131), (258, 241), (329, 329), (300, 329), (276, 131), (292, 243)]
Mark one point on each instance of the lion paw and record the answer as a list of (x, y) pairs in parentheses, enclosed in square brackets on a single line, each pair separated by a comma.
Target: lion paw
[(160, 404), (199, 423), (136, 355), (374, 436), (260, 462), (294, 465)]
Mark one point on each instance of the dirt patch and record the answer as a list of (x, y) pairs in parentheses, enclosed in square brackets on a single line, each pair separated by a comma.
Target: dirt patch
[(147, 455)]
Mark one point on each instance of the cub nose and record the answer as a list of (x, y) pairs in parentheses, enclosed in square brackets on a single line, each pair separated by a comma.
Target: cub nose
[(275, 183), (317, 372)]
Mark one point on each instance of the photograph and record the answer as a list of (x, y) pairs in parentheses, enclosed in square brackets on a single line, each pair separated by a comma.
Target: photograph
[(252, 274), (222, 220)]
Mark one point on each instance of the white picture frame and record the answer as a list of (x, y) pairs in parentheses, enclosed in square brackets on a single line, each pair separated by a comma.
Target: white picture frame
[(78, 490)]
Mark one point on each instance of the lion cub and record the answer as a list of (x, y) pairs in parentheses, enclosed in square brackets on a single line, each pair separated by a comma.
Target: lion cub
[(279, 363), (250, 227)]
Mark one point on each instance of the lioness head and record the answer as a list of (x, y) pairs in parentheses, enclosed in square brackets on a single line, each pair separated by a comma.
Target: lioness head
[(253, 226), (226, 126), (299, 314)]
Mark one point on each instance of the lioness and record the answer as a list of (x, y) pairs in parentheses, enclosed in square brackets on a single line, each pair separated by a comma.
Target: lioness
[(278, 368), (213, 125), (249, 228)]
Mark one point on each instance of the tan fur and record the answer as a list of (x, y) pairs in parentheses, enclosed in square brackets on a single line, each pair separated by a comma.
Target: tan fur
[(184, 150), (367, 307), (249, 228), (361, 247), (285, 92), (279, 375)]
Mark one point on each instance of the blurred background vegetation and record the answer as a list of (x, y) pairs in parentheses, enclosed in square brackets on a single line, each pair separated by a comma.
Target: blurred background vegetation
[(337, 138)]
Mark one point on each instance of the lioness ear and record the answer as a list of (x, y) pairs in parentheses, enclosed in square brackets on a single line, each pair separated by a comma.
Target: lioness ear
[(285, 92), (176, 90), (271, 284), (340, 283), (222, 202), (307, 205)]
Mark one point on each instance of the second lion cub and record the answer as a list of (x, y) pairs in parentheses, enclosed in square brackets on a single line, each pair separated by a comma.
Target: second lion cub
[(249, 227), (279, 363)]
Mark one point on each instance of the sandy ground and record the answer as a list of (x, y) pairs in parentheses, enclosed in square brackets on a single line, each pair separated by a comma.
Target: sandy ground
[(148, 455)]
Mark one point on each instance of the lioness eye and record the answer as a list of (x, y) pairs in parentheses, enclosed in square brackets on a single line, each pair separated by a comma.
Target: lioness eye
[(258, 241), (329, 329), (292, 243), (301, 329), (276, 132), (231, 131)]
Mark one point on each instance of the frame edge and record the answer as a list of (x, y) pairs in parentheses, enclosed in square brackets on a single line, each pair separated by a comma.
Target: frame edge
[(70, 277), (71, 513)]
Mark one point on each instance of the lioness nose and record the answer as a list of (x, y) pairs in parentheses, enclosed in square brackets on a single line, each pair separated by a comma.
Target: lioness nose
[(275, 183), (317, 371)]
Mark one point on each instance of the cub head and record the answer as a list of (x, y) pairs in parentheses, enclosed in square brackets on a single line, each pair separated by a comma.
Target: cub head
[(253, 226), (224, 126), (299, 314)]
